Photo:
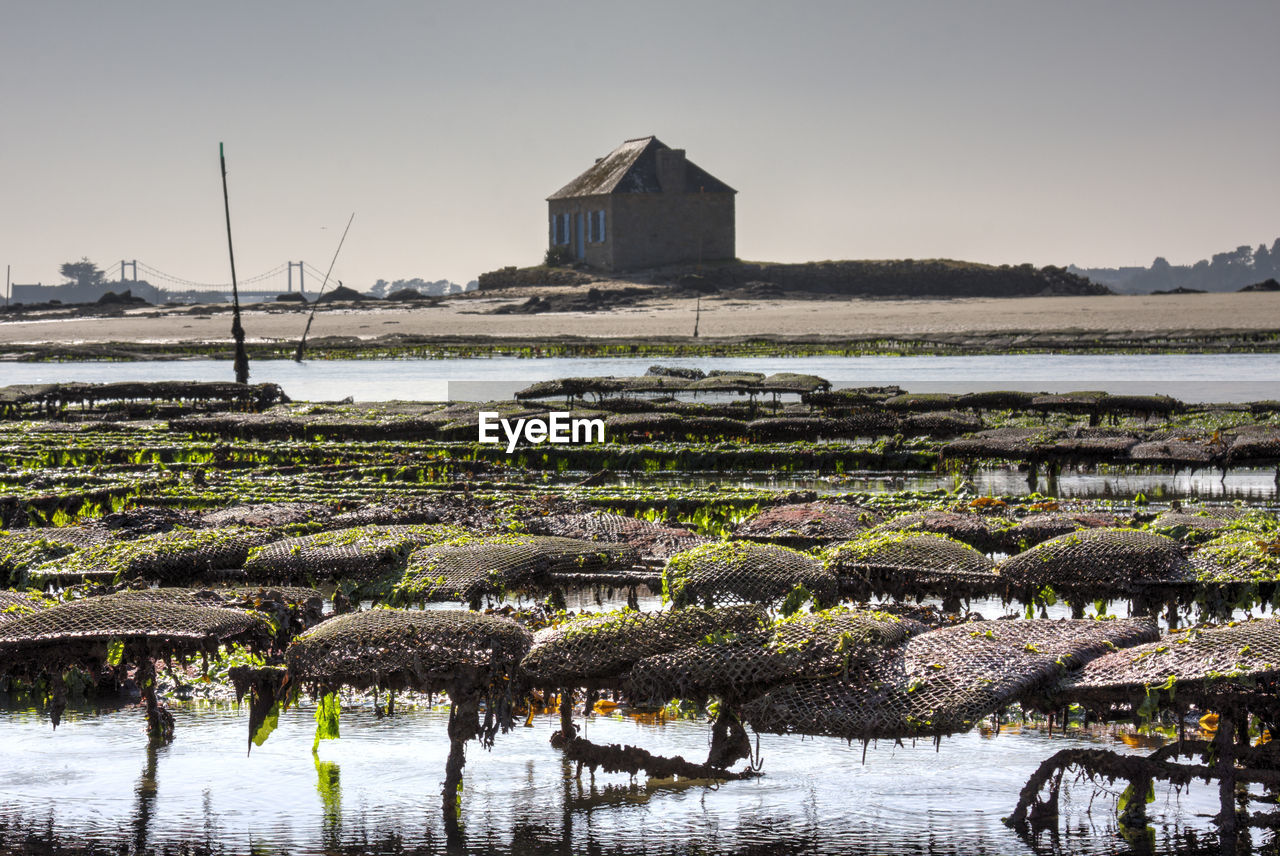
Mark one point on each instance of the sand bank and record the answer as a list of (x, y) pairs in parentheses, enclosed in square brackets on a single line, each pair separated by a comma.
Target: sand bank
[(664, 316)]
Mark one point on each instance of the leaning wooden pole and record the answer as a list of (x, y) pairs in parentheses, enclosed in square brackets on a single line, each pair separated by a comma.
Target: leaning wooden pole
[(237, 330), (302, 343)]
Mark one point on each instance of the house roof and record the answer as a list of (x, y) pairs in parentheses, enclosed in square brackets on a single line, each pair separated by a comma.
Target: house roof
[(633, 168)]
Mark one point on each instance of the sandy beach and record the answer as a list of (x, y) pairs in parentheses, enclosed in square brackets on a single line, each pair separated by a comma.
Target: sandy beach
[(665, 315)]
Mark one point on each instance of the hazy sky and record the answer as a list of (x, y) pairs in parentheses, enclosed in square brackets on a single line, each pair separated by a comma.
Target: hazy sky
[(1095, 133)]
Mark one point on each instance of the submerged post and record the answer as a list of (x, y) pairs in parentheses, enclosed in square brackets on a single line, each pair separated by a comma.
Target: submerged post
[(237, 330)]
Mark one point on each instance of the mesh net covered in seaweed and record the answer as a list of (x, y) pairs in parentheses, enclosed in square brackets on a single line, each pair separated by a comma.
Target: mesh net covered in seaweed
[(359, 553), (1238, 557), (1177, 452), (15, 604), (292, 609), (943, 681), (1098, 562), (393, 511), (941, 423), (1010, 444), (807, 524), (920, 402), (600, 649), (744, 572), (998, 399), (867, 422), (20, 554), (1256, 445), (79, 632), (979, 531), (1088, 445), (650, 539), (173, 556), (830, 643), (901, 563), (1038, 528), (1187, 526), (1212, 666), (422, 650), (673, 426), (1143, 406), (267, 515), (1078, 402), (472, 566)]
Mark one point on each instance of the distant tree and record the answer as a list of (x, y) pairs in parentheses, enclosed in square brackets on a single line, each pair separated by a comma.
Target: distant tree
[(1264, 265), (1159, 276), (382, 287), (83, 272)]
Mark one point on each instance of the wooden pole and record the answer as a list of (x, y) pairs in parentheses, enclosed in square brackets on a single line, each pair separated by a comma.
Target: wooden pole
[(237, 330), (6, 286), (302, 343)]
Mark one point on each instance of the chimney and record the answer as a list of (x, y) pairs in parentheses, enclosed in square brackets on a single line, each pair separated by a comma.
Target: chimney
[(671, 170)]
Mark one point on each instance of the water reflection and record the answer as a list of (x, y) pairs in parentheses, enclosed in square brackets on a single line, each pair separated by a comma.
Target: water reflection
[(145, 793), (1254, 485), (377, 791), (1190, 377)]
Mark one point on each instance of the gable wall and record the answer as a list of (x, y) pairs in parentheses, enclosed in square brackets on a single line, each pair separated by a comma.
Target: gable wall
[(651, 229)]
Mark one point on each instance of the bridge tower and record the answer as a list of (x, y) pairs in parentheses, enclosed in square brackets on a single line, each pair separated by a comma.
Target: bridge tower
[(298, 265)]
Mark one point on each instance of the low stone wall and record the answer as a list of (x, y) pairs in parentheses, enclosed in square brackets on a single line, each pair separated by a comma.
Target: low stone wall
[(512, 277), (895, 278)]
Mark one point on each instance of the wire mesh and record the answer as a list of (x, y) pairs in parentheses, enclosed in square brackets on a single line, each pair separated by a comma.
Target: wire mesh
[(1217, 667), (470, 567), (174, 556), (649, 539), (80, 632), (423, 650), (835, 642), (601, 648), (1038, 528), (943, 681), (902, 563), (1097, 562), (1238, 557), (358, 553), (980, 531), (728, 572), (807, 524)]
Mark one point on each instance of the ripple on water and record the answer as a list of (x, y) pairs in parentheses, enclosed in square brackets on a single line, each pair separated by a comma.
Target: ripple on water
[(94, 781)]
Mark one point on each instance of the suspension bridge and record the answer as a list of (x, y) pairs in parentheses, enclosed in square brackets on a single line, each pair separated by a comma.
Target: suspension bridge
[(288, 277)]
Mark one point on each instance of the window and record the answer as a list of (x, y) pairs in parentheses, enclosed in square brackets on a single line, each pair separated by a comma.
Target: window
[(560, 229), (599, 217), (591, 227)]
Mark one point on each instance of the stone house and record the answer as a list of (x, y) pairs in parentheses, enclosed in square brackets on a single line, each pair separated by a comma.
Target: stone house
[(643, 205)]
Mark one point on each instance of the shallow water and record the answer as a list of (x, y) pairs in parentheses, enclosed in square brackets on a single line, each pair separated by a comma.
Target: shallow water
[(377, 789), (1190, 377), (1253, 485)]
